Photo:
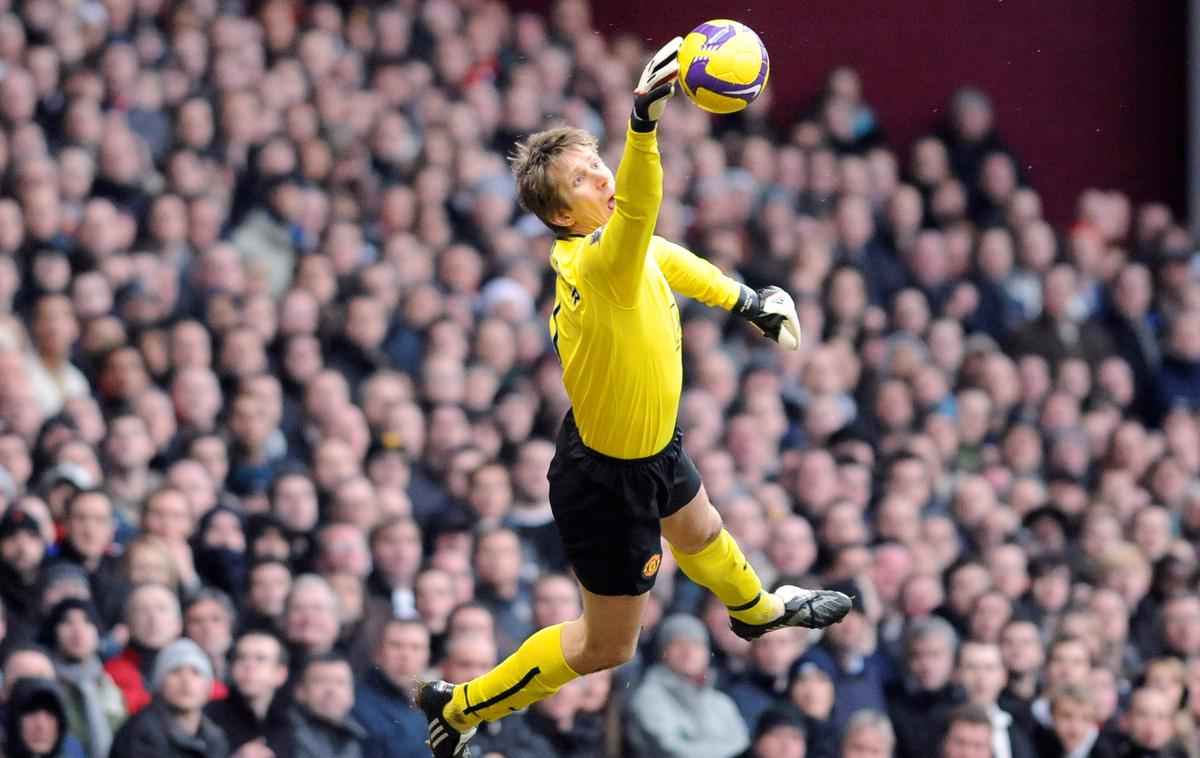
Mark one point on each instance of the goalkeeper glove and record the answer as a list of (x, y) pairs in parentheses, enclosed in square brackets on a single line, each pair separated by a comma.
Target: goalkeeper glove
[(656, 86), (774, 313)]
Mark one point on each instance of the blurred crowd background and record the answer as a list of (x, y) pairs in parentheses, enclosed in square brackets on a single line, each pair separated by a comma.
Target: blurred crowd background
[(277, 403)]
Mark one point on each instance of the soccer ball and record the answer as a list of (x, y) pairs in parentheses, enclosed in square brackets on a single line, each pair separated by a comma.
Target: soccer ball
[(723, 66)]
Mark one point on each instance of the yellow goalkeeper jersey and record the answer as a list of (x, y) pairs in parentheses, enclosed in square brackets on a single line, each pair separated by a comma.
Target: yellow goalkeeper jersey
[(615, 324)]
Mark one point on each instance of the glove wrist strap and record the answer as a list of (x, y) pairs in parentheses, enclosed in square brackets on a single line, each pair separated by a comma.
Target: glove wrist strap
[(639, 124), (748, 303)]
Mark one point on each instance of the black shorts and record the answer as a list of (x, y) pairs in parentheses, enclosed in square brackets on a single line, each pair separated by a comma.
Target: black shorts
[(608, 509)]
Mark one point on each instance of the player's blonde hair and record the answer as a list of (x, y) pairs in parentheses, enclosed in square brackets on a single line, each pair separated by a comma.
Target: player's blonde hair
[(531, 162)]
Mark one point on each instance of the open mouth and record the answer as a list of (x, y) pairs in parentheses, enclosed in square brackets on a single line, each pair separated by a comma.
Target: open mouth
[(612, 202)]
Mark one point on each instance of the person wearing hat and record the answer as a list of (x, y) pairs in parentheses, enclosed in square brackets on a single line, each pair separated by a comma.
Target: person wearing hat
[(676, 711), (22, 556), (174, 724), (94, 705), (36, 721)]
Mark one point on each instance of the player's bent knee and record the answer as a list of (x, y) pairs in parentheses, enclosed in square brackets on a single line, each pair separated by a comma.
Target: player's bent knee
[(607, 657)]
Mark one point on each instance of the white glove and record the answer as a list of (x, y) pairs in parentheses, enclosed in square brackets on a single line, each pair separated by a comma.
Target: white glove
[(657, 84), (773, 311)]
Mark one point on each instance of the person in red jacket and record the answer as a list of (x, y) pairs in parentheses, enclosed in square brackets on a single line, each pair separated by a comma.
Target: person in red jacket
[(153, 617)]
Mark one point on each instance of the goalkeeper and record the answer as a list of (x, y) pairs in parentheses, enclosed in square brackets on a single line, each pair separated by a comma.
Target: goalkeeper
[(620, 479)]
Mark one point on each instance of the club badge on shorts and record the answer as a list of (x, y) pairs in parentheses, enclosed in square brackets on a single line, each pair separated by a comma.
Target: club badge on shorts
[(651, 567)]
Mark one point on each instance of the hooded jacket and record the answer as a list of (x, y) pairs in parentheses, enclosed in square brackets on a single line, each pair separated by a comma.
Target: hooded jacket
[(29, 695)]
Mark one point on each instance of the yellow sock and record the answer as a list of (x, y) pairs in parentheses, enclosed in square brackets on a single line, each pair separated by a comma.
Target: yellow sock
[(722, 568), (535, 671)]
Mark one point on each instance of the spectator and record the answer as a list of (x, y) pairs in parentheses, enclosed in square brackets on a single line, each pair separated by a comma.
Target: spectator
[(1074, 712), (849, 655), (564, 724), (154, 620), (1149, 728), (968, 733), (766, 680), (90, 528), (256, 708), (918, 706), (208, 620), (779, 733), (980, 671), (174, 724), (321, 721), (676, 711), (22, 552), (36, 722), (94, 706), (383, 701), (868, 733), (1180, 372)]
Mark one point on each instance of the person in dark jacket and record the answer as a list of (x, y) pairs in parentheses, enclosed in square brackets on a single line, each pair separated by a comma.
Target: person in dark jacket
[(257, 706), (36, 720), (562, 723), (174, 724), (780, 732), (383, 703), (1179, 377), (920, 704), (980, 670), (22, 559), (321, 721), (88, 542), (1149, 730)]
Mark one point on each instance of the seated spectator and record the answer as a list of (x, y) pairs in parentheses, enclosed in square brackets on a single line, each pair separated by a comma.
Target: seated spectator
[(311, 620), (209, 620), (868, 735), (90, 528), (1073, 710), (849, 656), (918, 705), (36, 721), (979, 670), (767, 677), (968, 733), (95, 707), (173, 724), (1179, 377), (778, 733), (383, 701), (676, 711), (154, 620), (1149, 727), (22, 553), (561, 722), (321, 721), (256, 709)]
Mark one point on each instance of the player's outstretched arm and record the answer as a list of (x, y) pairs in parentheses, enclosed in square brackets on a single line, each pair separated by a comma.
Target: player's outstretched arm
[(638, 191), (773, 311), (655, 87)]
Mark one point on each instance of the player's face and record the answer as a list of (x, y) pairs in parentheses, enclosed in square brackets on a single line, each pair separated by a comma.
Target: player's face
[(587, 187)]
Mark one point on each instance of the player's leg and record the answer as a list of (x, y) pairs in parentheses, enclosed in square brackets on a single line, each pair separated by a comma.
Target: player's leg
[(604, 636), (709, 555)]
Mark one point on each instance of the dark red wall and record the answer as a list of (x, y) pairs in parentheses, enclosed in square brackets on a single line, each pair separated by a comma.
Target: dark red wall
[(1089, 92)]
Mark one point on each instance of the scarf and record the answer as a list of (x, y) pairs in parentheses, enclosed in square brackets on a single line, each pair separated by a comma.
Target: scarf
[(85, 678)]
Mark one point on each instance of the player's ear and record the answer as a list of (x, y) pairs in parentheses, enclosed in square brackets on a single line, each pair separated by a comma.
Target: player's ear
[(562, 218)]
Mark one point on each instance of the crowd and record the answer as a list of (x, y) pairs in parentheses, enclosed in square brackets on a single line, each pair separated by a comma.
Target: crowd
[(277, 403)]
